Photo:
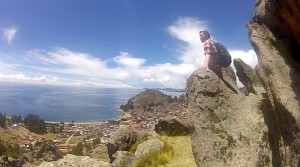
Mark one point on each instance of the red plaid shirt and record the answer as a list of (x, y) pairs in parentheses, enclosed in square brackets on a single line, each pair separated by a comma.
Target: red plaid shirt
[(210, 48)]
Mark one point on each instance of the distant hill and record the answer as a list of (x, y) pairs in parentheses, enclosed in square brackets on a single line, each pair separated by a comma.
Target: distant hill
[(146, 99), (172, 90)]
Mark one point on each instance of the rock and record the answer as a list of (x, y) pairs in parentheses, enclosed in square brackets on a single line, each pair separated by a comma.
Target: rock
[(9, 161), (124, 158), (28, 157), (148, 146), (121, 140), (172, 126), (229, 128), (75, 161), (43, 150), (246, 75), (229, 74), (274, 33), (46, 150)]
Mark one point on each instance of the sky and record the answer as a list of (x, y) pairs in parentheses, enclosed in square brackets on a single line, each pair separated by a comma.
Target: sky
[(116, 43)]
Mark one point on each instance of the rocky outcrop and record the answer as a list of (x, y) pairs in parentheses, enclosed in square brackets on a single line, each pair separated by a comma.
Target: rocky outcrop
[(274, 33), (75, 161), (9, 161), (145, 100), (229, 75), (43, 150), (148, 146), (124, 158), (172, 126), (247, 75), (262, 129), (121, 140), (229, 128)]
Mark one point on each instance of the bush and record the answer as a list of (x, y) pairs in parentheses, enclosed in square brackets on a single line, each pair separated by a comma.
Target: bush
[(2, 120), (16, 119), (153, 158), (78, 150), (128, 106), (2, 148), (157, 158), (35, 124), (13, 150)]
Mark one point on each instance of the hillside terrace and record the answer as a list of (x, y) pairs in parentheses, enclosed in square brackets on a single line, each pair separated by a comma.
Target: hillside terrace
[(137, 119)]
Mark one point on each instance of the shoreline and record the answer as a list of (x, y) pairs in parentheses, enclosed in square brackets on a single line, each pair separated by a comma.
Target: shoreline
[(76, 123), (119, 117)]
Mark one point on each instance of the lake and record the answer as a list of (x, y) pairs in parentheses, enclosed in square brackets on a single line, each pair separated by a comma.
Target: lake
[(62, 103)]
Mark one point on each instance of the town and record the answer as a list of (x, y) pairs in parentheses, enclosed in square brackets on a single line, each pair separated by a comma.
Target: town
[(105, 129)]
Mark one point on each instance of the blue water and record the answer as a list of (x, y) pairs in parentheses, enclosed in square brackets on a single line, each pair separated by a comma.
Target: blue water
[(60, 103)]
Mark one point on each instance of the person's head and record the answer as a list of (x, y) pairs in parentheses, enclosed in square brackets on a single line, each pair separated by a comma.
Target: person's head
[(204, 35)]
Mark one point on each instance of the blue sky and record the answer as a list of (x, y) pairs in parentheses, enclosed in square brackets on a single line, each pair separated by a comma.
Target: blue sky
[(116, 43)]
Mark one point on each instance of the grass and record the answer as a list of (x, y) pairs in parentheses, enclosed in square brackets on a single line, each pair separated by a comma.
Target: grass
[(182, 152), (177, 152), (49, 136), (156, 158), (5, 136)]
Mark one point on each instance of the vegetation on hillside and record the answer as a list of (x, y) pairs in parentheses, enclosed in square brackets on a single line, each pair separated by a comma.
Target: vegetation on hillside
[(35, 124), (86, 145), (2, 120), (149, 99), (12, 150)]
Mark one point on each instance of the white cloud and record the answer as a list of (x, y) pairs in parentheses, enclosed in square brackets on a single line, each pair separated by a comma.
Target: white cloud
[(249, 57), (130, 71), (127, 60), (60, 66), (168, 75), (187, 30), (74, 63), (24, 78), (9, 34), (4, 65)]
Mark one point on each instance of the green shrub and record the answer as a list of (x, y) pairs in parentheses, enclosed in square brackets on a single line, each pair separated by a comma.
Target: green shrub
[(2, 148), (78, 149), (156, 158), (2, 120), (35, 124), (13, 150)]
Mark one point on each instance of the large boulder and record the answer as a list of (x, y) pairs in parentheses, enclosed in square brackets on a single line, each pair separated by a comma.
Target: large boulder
[(274, 33), (124, 158), (148, 146), (75, 161), (121, 140), (247, 75), (229, 129), (172, 126), (229, 75)]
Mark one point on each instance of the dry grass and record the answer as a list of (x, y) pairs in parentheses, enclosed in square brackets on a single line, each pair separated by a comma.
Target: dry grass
[(182, 148), (5, 136), (177, 152), (157, 158), (100, 153)]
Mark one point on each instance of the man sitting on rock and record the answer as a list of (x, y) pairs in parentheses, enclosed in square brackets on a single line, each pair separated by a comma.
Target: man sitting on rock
[(212, 63)]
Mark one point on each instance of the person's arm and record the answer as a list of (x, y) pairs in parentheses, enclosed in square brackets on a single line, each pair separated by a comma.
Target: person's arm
[(207, 59), (207, 54)]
